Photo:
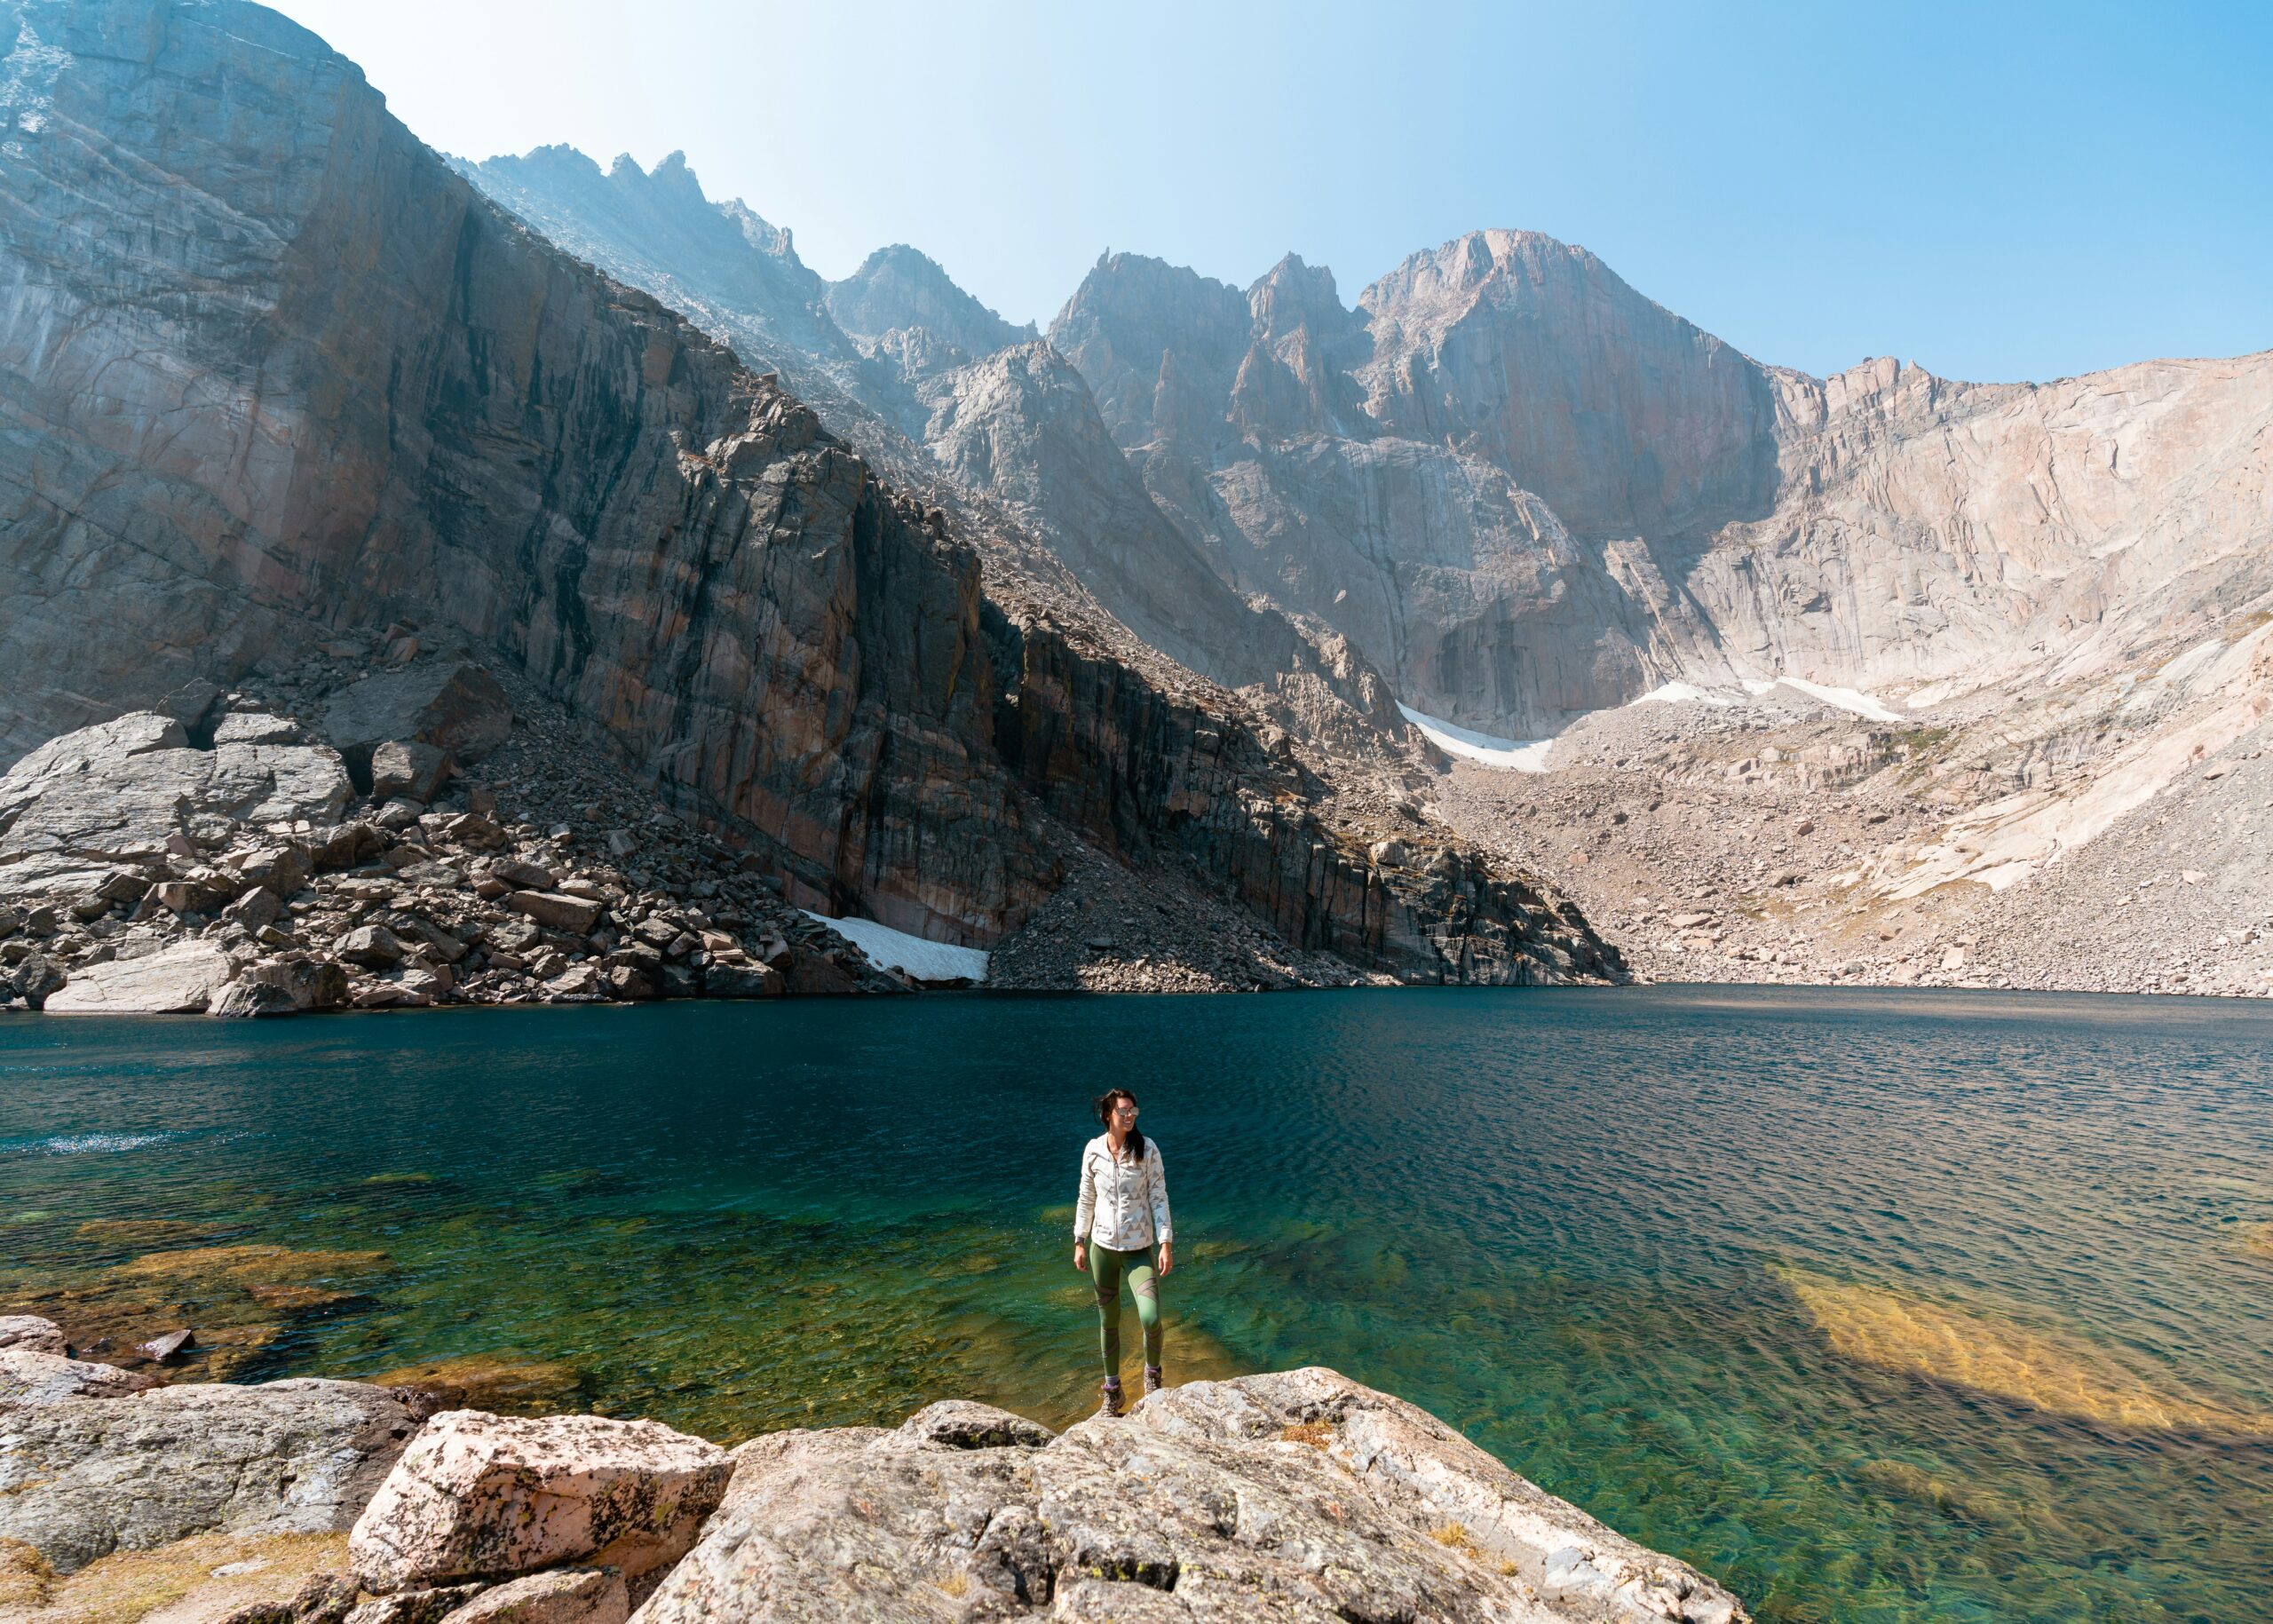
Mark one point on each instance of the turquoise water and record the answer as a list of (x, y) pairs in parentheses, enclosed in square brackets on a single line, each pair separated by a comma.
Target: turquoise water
[(1878, 1306)]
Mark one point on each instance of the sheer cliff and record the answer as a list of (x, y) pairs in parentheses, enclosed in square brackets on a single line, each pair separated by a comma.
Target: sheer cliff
[(272, 369)]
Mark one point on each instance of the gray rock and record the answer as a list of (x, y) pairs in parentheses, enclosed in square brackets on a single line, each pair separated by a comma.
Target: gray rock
[(79, 1480), (408, 770), (957, 1423), (251, 1001), (373, 946), (30, 1376), (557, 911), (37, 978), (742, 980), (311, 984), (178, 980), (1300, 1494), (33, 1335), (255, 727), (120, 788), (452, 707)]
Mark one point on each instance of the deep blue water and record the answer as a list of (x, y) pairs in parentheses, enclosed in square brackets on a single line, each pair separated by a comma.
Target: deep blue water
[(1877, 1306)]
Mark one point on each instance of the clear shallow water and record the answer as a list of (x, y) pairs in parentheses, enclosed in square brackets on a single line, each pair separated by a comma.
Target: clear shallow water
[(1856, 1301)]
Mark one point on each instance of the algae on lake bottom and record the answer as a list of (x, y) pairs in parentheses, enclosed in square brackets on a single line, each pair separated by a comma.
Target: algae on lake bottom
[(1912, 1336)]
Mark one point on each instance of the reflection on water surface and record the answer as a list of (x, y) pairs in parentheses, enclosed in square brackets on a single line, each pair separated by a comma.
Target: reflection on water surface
[(1880, 1306)]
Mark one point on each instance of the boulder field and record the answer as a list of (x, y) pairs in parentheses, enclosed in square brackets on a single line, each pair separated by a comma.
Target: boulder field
[(1298, 1494)]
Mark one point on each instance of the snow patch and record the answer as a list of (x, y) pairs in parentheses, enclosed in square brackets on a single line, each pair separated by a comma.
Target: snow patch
[(911, 955), (1685, 693), (1519, 754)]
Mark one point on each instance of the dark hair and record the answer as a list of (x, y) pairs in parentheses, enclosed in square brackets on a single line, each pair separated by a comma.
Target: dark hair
[(1104, 1115)]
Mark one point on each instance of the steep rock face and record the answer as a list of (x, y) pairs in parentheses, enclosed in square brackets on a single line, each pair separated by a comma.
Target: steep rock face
[(1160, 346), (657, 230), (272, 368), (1021, 426), (326, 383), (1931, 530), (899, 288), (1148, 774), (1622, 416)]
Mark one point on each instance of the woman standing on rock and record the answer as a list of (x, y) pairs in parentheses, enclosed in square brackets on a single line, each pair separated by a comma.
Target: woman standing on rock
[(1122, 1210)]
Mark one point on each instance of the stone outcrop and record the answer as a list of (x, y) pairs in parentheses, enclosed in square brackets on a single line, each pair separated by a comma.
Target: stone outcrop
[(1300, 1493), (489, 1497), (88, 1476)]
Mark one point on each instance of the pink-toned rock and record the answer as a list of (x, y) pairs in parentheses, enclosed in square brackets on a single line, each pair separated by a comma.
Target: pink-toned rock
[(563, 1595), (478, 1495)]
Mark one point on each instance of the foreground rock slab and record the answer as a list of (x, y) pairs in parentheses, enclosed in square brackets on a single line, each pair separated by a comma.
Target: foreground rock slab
[(86, 1476), (1295, 1496), (482, 1496)]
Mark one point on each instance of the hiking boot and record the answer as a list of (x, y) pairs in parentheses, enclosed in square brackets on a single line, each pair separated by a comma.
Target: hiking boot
[(1110, 1393), (1153, 1383)]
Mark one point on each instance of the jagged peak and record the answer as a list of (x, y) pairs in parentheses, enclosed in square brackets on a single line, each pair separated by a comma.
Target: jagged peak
[(553, 155), (899, 286)]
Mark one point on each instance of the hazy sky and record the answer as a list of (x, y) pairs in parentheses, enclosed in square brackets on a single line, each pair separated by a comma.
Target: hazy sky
[(1993, 190)]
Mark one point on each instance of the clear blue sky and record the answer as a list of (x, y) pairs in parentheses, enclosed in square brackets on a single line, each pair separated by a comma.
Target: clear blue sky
[(1995, 191)]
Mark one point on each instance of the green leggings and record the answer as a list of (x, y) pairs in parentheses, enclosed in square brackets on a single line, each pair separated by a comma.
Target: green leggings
[(1108, 1268)]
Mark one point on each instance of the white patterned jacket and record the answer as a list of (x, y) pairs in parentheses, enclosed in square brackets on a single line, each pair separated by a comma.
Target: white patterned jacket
[(1124, 1204)]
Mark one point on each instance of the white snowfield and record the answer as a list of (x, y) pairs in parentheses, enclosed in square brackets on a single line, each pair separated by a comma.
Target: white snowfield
[(1520, 755), (911, 955), (1839, 698), (1851, 700)]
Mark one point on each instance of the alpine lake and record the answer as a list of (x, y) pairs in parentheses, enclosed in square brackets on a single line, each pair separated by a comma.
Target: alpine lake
[(1884, 1306)]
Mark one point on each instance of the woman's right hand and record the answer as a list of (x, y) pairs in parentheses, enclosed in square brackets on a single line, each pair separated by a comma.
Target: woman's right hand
[(1081, 1258)]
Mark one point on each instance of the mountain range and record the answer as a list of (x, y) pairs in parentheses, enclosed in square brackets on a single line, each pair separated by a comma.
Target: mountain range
[(1245, 588)]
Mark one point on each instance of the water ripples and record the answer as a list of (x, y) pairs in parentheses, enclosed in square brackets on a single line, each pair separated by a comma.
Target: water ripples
[(1774, 1281)]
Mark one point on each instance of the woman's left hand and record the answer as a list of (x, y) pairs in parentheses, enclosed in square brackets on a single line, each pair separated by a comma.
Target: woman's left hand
[(1167, 1257)]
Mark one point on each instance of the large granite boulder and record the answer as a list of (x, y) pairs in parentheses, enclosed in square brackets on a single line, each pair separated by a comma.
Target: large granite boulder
[(1297, 1495), (482, 1496), (452, 707), (82, 1479), (178, 980), (119, 789)]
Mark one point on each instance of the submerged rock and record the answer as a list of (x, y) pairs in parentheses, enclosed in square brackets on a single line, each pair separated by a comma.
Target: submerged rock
[(480, 1496)]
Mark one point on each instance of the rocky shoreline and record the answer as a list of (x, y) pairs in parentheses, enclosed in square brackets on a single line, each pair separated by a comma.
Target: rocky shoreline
[(1297, 1495)]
